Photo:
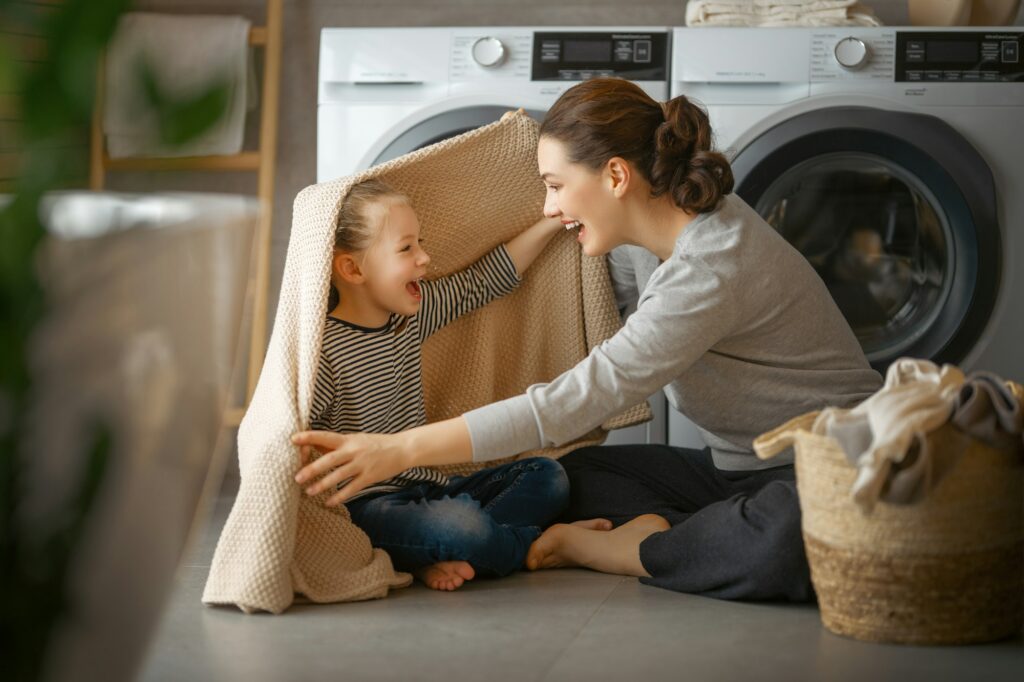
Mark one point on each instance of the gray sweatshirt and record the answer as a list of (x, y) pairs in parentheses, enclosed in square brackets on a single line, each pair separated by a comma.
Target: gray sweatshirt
[(736, 326)]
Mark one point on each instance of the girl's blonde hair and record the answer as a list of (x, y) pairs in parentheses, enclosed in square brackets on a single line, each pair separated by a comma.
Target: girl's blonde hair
[(362, 216)]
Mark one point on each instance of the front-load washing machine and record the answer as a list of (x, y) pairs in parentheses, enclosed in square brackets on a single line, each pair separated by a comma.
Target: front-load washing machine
[(890, 158), (384, 92)]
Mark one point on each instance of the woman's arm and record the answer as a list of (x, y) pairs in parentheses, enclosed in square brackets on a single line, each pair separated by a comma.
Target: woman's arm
[(366, 458), (527, 245)]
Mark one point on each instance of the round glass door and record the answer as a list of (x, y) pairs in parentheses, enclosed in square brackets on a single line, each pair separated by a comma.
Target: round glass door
[(877, 237), (896, 212)]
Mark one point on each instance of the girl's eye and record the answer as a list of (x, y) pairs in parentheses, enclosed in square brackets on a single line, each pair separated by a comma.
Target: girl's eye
[(552, 188), (407, 247)]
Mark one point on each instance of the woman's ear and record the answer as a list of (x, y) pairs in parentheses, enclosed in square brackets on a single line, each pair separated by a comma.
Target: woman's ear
[(346, 268), (619, 174)]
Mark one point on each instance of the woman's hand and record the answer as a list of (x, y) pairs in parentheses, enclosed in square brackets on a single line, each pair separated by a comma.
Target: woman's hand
[(362, 459)]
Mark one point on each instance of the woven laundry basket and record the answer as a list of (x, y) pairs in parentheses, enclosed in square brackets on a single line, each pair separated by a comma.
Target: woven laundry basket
[(947, 570)]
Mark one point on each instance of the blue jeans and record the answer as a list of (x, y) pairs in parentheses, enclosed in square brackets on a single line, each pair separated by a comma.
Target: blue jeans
[(488, 519)]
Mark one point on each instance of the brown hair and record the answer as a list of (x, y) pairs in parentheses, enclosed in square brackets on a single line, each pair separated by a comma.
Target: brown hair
[(669, 144), (360, 219)]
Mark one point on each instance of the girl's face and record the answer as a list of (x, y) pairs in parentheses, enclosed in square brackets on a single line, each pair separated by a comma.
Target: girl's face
[(580, 198), (396, 262)]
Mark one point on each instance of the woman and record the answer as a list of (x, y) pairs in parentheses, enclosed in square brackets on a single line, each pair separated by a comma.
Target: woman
[(729, 318)]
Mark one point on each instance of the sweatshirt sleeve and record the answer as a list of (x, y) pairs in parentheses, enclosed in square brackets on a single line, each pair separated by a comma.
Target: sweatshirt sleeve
[(447, 298), (685, 309)]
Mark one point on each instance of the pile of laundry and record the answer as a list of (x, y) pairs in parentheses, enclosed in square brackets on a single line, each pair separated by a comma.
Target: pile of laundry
[(885, 436), (779, 13)]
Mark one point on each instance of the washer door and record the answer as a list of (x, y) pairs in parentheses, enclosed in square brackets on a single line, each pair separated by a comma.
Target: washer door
[(896, 212), (444, 126)]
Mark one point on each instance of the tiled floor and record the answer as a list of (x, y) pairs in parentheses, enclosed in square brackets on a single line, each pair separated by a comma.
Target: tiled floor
[(555, 625)]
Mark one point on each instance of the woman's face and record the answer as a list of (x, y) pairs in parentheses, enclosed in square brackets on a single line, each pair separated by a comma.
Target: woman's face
[(579, 197)]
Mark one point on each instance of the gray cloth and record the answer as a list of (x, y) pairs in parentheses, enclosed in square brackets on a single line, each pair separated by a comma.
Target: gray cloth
[(881, 433), (736, 326), (986, 409), (982, 408)]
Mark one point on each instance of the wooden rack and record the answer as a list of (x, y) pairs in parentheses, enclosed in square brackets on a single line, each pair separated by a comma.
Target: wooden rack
[(261, 161)]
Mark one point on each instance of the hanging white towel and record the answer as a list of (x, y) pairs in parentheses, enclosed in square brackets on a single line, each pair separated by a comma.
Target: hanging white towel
[(779, 13), (187, 54)]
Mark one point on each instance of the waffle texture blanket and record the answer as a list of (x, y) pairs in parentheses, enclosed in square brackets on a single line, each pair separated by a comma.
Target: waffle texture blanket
[(471, 193)]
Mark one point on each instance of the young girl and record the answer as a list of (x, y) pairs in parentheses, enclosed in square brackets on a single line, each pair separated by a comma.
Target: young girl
[(443, 530)]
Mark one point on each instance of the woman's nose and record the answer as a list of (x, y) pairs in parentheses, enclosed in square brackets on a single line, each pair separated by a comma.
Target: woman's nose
[(551, 209)]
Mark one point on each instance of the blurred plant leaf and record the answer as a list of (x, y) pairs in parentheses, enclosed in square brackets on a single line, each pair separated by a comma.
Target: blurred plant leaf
[(10, 71), (182, 119)]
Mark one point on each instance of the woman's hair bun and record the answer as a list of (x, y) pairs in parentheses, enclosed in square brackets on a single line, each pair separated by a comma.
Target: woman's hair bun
[(685, 166)]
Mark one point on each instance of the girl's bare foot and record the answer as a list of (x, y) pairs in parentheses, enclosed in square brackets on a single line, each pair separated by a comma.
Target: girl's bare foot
[(609, 551), (445, 575)]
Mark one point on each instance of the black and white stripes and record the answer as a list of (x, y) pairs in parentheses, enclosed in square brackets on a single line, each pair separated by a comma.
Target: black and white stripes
[(369, 380)]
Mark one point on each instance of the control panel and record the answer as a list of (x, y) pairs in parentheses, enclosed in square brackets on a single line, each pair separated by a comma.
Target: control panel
[(840, 56), (574, 56), (977, 57)]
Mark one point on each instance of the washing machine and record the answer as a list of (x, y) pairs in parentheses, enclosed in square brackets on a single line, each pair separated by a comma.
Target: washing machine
[(384, 92), (892, 158)]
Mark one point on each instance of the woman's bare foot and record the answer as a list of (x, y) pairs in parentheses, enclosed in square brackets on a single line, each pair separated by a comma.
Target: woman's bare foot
[(609, 551), (445, 575)]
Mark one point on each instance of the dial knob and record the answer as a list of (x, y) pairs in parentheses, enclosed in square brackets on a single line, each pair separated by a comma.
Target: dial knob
[(488, 52), (852, 53)]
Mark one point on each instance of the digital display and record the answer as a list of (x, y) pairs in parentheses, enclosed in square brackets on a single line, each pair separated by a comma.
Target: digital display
[(952, 51), (587, 51)]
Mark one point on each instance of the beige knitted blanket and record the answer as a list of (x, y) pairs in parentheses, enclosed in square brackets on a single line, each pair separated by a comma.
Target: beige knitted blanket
[(470, 193)]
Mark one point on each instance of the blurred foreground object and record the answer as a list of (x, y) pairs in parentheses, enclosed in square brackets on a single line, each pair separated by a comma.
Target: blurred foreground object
[(146, 295)]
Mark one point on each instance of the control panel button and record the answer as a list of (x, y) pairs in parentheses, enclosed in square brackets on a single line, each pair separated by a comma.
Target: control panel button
[(1011, 51), (642, 51), (623, 51), (851, 53), (550, 51), (488, 51)]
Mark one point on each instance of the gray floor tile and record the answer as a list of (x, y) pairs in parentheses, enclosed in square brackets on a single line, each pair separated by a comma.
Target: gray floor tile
[(554, 625)]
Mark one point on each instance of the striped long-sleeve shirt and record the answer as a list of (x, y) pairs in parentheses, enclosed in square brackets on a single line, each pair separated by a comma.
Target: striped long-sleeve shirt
[(369, 380)]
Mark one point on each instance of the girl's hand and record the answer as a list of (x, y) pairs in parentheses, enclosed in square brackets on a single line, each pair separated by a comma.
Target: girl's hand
[(362, 459)]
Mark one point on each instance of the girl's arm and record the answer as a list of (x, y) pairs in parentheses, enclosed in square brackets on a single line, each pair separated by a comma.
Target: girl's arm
[(527, 245), (495, 274)]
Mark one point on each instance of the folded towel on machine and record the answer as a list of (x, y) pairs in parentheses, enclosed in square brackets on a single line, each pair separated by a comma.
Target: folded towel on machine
[(470, 194), (187, 55), (779, 13)]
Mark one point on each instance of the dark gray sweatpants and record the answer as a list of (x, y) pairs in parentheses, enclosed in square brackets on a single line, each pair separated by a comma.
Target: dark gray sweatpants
[(734, 535)]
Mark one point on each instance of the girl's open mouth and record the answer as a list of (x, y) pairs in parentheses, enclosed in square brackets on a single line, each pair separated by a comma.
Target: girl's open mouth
[(413, 288)]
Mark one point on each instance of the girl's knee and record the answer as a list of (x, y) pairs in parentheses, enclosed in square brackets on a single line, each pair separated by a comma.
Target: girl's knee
[(553, 479), (457, 525)]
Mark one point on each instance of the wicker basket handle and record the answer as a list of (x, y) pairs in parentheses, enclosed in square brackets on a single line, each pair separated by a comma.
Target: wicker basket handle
[(769, 444)]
